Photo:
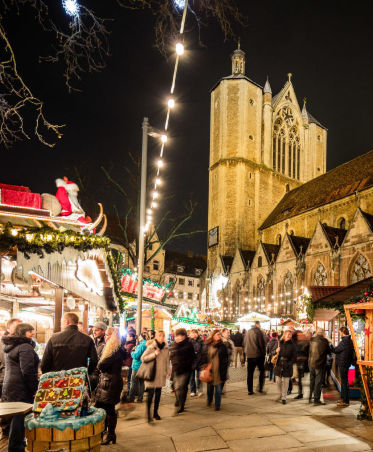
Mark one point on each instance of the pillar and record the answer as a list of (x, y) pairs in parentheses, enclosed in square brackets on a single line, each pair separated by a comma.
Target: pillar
[(85, 318), (100, 314), (58, 309)]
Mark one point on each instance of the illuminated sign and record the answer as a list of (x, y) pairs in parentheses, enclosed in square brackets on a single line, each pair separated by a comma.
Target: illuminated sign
[(88, 273), (213, 238), (151, 290)]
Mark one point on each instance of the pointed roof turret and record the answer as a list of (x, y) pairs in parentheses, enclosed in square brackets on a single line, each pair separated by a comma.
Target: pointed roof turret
[(304, 110), (267, 87)]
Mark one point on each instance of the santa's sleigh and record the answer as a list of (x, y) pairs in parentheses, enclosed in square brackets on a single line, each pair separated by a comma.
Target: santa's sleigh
[(19, 206)]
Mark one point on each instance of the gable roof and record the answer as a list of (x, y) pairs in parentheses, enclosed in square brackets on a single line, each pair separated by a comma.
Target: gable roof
[(335, 236), (344, 180), (314, 120), (369, 219), (247, 257), (227, 263), (299, 244), (270, 249)]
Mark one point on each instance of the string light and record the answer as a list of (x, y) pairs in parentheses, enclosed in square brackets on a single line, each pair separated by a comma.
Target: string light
[(179, 49)]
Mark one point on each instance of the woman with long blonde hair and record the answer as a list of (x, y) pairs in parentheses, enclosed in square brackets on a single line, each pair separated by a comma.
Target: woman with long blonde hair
[(110, 383)]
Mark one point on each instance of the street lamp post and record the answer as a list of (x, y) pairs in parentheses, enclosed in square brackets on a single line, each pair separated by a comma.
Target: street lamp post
[(146, 130)]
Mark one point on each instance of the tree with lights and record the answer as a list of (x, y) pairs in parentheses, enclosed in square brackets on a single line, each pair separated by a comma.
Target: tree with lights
[(80, 43)]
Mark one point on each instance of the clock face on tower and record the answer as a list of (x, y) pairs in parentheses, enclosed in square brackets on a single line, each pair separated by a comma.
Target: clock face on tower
[(213, 238)]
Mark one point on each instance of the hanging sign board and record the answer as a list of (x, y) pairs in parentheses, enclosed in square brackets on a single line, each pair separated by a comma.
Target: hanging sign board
[(151, 290)]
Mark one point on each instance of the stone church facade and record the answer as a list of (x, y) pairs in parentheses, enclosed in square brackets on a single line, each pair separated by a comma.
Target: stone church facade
[(278, 222)]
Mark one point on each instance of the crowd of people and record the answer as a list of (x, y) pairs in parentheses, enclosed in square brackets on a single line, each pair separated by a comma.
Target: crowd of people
[(187, 359)]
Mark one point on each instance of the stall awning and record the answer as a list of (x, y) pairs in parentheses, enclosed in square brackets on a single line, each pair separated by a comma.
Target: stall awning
[(344, 294), (325, 315), (85, 274)]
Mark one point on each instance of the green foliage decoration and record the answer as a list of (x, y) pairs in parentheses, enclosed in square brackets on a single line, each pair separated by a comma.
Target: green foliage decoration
[(47, 240)]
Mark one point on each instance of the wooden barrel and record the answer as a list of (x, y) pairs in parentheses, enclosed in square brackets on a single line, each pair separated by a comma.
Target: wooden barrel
[(87, 438)]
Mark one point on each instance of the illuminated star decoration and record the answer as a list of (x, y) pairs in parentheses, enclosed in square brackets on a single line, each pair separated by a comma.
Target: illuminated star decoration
[(179, 4), (71, 7), (367, 331)]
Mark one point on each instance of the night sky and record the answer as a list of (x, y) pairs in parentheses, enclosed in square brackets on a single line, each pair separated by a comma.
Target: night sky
[(326, 45)]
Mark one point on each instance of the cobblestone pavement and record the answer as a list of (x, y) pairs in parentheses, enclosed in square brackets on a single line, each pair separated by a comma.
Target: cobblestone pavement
[(246, 423)]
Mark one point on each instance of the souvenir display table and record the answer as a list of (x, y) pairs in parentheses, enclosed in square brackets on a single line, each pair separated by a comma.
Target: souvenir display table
[(10, 409)]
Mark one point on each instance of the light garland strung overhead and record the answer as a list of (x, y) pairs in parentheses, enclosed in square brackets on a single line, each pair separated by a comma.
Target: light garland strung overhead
[(179, 50), (71, 7)]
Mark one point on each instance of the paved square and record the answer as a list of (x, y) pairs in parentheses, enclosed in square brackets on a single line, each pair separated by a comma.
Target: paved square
[(246, 423)]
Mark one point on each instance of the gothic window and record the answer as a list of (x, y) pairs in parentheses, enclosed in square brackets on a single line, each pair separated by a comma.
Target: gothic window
[(360, 270), (287, 294), (278, 239), (260, 261), (342, 223), (286, 144), (320, 278), (260, 292)]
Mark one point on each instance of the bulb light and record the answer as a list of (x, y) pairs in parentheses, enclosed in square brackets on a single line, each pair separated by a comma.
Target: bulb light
[(71, 7), (179, 48), (158, 181), (160, 163), (164, 138)]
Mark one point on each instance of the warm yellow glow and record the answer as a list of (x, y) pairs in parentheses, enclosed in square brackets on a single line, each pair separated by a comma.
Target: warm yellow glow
[(164, 138), (171, 103), (14, 232), (154, 205), (179, 48), (160, 163), (158, 181), (155, 195)]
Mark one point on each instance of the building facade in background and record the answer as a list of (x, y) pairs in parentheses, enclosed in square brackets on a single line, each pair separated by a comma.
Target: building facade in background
[(277, 221)]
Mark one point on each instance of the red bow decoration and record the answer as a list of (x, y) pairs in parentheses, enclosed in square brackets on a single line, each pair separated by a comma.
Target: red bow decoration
[(367, 331)]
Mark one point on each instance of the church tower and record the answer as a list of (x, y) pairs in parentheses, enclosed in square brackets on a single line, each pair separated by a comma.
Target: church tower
[(261, 146)]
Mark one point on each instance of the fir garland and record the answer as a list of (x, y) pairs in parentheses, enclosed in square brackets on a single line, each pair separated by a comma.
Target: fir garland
[(47, 240)]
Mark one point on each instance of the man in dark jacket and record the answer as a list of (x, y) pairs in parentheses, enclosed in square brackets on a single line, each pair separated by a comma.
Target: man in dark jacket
[(69, 349), (345, 355), (255, 350), (182, 358), (98, 331), (197, 342), (237, 339), (319, 349)]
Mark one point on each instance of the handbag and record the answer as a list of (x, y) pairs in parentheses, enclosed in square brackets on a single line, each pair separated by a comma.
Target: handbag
[(274, 359), (206, 373), (147, 370)]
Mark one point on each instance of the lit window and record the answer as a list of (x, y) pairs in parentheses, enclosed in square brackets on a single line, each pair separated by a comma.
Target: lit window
[(360, 270)]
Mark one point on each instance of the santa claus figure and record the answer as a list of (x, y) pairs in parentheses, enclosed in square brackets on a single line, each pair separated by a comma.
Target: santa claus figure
[(67, 195)]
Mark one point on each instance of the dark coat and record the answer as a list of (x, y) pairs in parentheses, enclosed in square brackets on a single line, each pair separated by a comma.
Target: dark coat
[(198, 347), (254, 343), (182, 357), (110, 384), (21, 369), (237, 339), (319, 349), (286, 359), (69, 349), (223, 359), (345, 352), (271, 347)]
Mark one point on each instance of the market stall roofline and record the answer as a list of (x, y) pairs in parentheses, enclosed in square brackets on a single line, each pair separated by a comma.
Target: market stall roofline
[(344, 294)]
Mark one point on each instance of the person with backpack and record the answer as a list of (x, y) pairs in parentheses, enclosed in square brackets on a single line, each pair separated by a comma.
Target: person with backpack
[(345, 356)]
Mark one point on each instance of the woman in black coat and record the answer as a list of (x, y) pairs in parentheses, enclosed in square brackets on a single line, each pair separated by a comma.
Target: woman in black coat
[(110, 383), (21, 378), (287, 355), (215, 353)]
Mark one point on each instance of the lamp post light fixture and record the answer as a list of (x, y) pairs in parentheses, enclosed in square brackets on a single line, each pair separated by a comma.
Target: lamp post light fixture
[(147, 130)]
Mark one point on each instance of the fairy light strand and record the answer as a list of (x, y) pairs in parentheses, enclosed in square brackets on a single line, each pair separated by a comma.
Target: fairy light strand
[(179, 50)]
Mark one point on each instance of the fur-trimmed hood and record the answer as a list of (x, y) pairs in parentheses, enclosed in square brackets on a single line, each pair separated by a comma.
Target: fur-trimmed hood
[(11, 342)]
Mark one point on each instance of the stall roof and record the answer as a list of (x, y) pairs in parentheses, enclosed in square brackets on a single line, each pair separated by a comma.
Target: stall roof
[(318, 292), (345, 293)]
